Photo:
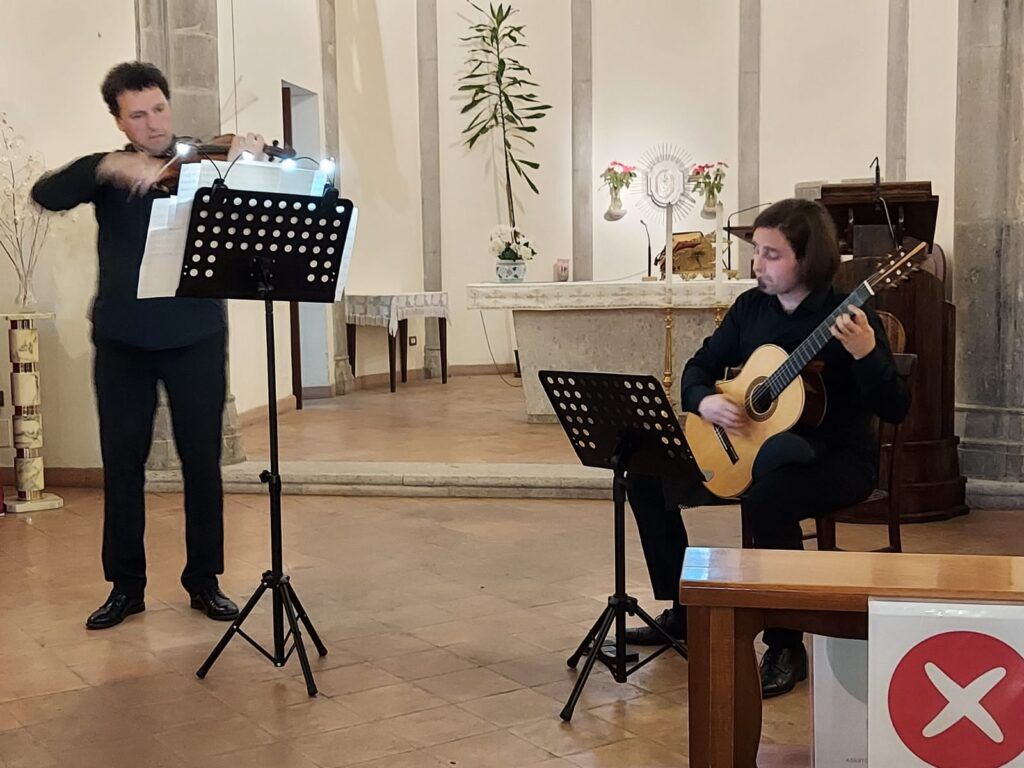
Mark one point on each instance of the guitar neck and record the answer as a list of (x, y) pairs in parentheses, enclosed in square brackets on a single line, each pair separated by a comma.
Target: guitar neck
[(814, 343)]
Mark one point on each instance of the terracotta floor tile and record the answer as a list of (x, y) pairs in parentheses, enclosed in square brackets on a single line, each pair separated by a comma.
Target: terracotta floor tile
[(413, 666), (490, 750), (636, 753), (438, 726), (392, 701), (560, 738), (468, 684), (514, 707), (196, 741), (350, 746)]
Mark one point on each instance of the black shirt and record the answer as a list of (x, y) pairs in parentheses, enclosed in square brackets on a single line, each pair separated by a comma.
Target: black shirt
[(855, 389), (123, 220)]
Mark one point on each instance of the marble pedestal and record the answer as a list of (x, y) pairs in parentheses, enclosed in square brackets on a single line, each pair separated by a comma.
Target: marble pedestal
[(28, 418)]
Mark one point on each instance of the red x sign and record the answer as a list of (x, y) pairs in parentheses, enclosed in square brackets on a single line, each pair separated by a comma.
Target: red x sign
[(957, 699)]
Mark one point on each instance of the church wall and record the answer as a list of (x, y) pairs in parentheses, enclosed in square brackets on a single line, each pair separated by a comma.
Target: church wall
[(471, 201), (377, 103), (931, 112), (823, 91), (53, 56), (664, 72), (265, 53)]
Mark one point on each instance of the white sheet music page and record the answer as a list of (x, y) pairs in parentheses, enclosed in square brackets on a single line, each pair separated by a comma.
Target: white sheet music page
[(165, 248)]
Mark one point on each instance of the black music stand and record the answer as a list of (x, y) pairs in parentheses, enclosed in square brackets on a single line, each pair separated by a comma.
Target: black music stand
[(269, 246), (620, 422)]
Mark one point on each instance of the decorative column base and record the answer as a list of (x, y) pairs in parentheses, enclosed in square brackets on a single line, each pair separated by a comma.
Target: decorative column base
[(344, 380), (45, 501), (432, 360), (164, 455), (26, 397)]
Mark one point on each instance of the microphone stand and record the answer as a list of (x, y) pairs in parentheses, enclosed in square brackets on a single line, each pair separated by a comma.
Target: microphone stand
[(649, 276), (728, 223), (880, 201)]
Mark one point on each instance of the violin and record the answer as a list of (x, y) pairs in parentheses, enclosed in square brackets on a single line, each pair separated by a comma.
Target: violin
[(215, 149)]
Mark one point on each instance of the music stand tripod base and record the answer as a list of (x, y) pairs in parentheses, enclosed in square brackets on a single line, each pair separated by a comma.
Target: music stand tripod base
[(619, 422), (269, 246)]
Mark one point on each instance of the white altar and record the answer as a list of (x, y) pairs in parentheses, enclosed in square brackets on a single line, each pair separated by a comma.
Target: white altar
[(617, 327)]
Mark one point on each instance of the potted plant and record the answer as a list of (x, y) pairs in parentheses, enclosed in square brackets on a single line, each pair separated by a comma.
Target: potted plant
[(617, 176), (707, 179), (512, 250), (502, 104)]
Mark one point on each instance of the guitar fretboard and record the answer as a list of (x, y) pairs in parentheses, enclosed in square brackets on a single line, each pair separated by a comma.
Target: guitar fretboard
[(810, 346)]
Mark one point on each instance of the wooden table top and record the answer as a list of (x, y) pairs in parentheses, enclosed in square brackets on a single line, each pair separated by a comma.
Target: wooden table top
[(842, 581)]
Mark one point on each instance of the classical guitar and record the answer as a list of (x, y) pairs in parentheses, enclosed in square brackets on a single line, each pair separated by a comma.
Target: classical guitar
[(775, 396)]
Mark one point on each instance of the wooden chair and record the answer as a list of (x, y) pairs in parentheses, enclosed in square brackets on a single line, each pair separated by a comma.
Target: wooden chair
[(883, 505)]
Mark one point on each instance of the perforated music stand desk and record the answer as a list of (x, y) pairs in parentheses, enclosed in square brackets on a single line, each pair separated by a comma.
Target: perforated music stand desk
[(269, 246), (625, 423)]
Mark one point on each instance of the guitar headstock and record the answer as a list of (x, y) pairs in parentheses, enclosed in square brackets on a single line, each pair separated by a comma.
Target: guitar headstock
[(897, 269)]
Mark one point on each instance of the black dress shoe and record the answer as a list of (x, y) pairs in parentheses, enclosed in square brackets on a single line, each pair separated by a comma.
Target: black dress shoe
[(114, 611), (672, 621), (215, 604), (781, 670)]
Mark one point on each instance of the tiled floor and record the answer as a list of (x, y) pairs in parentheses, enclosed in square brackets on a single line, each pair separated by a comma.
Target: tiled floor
[(471, 418), (448, 624)]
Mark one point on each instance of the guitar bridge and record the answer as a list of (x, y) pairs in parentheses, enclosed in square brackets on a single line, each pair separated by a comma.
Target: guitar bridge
[(726, 443)]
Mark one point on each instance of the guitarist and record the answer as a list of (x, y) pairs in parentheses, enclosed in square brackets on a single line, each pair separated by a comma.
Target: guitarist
[(803, 473)]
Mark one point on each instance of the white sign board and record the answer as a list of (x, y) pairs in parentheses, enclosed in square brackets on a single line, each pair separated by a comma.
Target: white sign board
[(945, 685), (839, 701)]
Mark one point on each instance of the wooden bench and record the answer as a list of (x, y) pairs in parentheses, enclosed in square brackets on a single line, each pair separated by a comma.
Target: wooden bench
[(732, 594)]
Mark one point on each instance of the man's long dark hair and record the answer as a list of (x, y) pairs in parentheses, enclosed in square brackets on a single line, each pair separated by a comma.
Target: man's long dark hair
[(131, 76), (812, 234)]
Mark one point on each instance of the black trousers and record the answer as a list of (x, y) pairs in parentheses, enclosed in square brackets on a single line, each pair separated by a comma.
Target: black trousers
[(126, 394), (793, 481)]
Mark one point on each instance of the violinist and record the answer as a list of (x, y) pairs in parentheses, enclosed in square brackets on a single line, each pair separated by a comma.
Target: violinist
[(181, 342)]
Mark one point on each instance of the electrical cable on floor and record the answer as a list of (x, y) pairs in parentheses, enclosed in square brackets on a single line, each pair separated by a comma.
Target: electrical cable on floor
[(490, 351)]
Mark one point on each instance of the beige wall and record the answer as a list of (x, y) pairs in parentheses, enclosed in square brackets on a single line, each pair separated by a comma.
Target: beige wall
[(657, 81), (53, 55), (263, 54), (380, 158), (823, 83), (931, 110)]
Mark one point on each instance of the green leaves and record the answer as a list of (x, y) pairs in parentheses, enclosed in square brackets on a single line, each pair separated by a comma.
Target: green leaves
[(499, 96)]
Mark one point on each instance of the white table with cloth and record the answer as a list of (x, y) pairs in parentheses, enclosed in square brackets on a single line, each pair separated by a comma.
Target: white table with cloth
[(392, 311)]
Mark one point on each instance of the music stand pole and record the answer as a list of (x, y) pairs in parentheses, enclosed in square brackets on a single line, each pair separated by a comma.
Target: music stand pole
[(284, 602)]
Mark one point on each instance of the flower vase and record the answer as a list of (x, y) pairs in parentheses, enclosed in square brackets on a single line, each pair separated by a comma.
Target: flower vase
[(510, 270), (615, 210), (709, 211), (26, 297)]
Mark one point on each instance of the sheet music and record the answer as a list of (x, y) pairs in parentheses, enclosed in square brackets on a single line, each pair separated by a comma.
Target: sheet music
[(160, 271), (165, 249), (346, 255)]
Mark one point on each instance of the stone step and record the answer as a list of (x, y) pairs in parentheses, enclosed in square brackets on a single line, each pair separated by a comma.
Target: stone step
[(382, 478)]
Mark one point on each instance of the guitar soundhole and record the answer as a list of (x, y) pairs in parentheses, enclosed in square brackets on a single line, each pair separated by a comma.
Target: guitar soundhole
[(760, 403)]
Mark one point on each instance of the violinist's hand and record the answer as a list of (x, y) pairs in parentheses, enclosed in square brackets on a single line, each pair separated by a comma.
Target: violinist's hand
[(723, 412), (250, 142), (134, 171)]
